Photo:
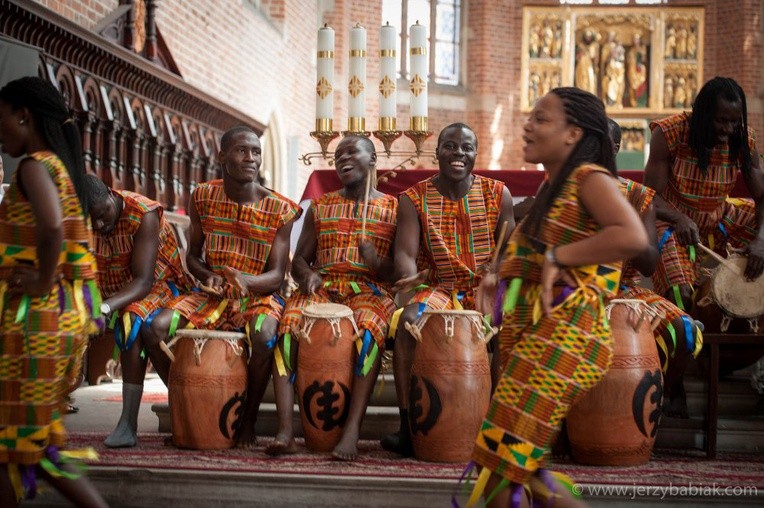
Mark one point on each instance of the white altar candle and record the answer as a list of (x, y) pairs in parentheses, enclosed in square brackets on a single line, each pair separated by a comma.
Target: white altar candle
[(387, 83), (357, 80), (325, 80), (418, 76)]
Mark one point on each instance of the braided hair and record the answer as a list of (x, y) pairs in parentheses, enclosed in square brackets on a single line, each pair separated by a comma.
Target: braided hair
[(53, 124), (587, 112), (702, 133)]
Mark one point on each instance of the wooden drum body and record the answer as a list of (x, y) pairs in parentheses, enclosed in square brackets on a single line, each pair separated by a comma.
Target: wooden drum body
[(325, 373), (450, 385), (728, 303), (614, 423), (207, 388)]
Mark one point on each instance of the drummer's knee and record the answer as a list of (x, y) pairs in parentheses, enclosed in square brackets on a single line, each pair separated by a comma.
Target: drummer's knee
[(158, 329), (262, 337)]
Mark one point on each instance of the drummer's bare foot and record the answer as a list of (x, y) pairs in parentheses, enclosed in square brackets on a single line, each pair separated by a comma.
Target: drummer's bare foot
[(398, 443), (282, 445), (347, 448), (247, 439)]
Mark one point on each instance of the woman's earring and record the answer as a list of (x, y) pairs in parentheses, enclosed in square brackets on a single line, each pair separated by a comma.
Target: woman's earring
[(21, 122)]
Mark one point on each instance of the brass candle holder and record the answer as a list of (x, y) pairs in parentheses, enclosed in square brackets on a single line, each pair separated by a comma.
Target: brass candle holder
[(324, 135), (387, 134)]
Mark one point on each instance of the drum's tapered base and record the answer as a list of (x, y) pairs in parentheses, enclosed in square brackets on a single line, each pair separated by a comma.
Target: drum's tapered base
[(614, 423), (325, 374), (207, 390), (450, 387)]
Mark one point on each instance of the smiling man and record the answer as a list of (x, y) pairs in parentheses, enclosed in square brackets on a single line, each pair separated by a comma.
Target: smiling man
[(238, 251), (336, 262), (450, 223), (139, 271)]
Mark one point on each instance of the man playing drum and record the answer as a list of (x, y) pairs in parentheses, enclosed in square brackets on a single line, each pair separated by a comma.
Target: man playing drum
[(693, 165), (238, 251), (676, 335), (450, 223), (336, 261), (139, 272)]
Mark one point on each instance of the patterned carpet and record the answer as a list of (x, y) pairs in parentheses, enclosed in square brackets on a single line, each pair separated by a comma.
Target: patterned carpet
[(666, 468)]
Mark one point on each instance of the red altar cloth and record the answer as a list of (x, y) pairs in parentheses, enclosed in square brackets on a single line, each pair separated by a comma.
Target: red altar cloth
[(521, 183)]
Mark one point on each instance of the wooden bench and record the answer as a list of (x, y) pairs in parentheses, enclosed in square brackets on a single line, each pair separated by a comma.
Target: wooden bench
[(711, 342)]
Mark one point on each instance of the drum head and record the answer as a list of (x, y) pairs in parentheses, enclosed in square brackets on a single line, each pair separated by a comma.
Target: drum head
[(210, 334), (327, 310), (733, 293)]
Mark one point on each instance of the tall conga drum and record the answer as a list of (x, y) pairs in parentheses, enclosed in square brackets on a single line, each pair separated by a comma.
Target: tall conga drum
[(207, 388), (325, 373), (450, 384), (614, 423)]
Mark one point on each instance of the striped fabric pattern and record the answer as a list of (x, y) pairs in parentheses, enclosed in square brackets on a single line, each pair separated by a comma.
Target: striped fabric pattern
[(41, 354), (705, 199), (457, 238), (702, 197), (338, 230), (347, 280), (240, 237), (114, 255), (550, 360), (640, 197)]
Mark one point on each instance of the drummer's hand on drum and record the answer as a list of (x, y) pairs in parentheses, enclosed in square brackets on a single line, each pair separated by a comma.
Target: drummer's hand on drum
[(686, 231), (755, 265), (406, 284), (551, 274), (235, 278), (310, 284), (213, 285)]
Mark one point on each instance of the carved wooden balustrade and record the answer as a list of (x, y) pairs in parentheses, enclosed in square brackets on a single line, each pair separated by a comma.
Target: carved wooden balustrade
[(143, 128)]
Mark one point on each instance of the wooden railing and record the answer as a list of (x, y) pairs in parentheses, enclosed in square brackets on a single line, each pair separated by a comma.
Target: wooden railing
[(143, 128)]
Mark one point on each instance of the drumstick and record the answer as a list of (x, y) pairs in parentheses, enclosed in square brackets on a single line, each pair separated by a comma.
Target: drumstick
[(365, 204), (726, 262), (502, 233)]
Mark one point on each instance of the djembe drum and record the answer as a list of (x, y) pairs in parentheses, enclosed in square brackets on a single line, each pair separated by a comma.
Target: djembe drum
[(614, 423), (450, 384), (207, 388), (726, 302), (325, 373)]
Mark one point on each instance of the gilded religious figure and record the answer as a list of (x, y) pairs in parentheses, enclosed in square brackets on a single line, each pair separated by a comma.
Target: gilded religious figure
[(680, 93), (668, 92), (613, 80), (636, 72), (586, 61), (681, 43), (670, 47), (692, 43)]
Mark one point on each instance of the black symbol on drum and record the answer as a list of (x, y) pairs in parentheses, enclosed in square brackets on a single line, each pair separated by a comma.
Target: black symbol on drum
[(326, 402), (650, 379), (233, 402), (416, 411)]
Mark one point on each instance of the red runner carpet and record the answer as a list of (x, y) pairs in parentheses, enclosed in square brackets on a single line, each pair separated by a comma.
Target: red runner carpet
[(675, 468)]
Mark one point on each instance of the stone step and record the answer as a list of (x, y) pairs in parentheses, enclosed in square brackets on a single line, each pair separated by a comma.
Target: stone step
[(734, 434)]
